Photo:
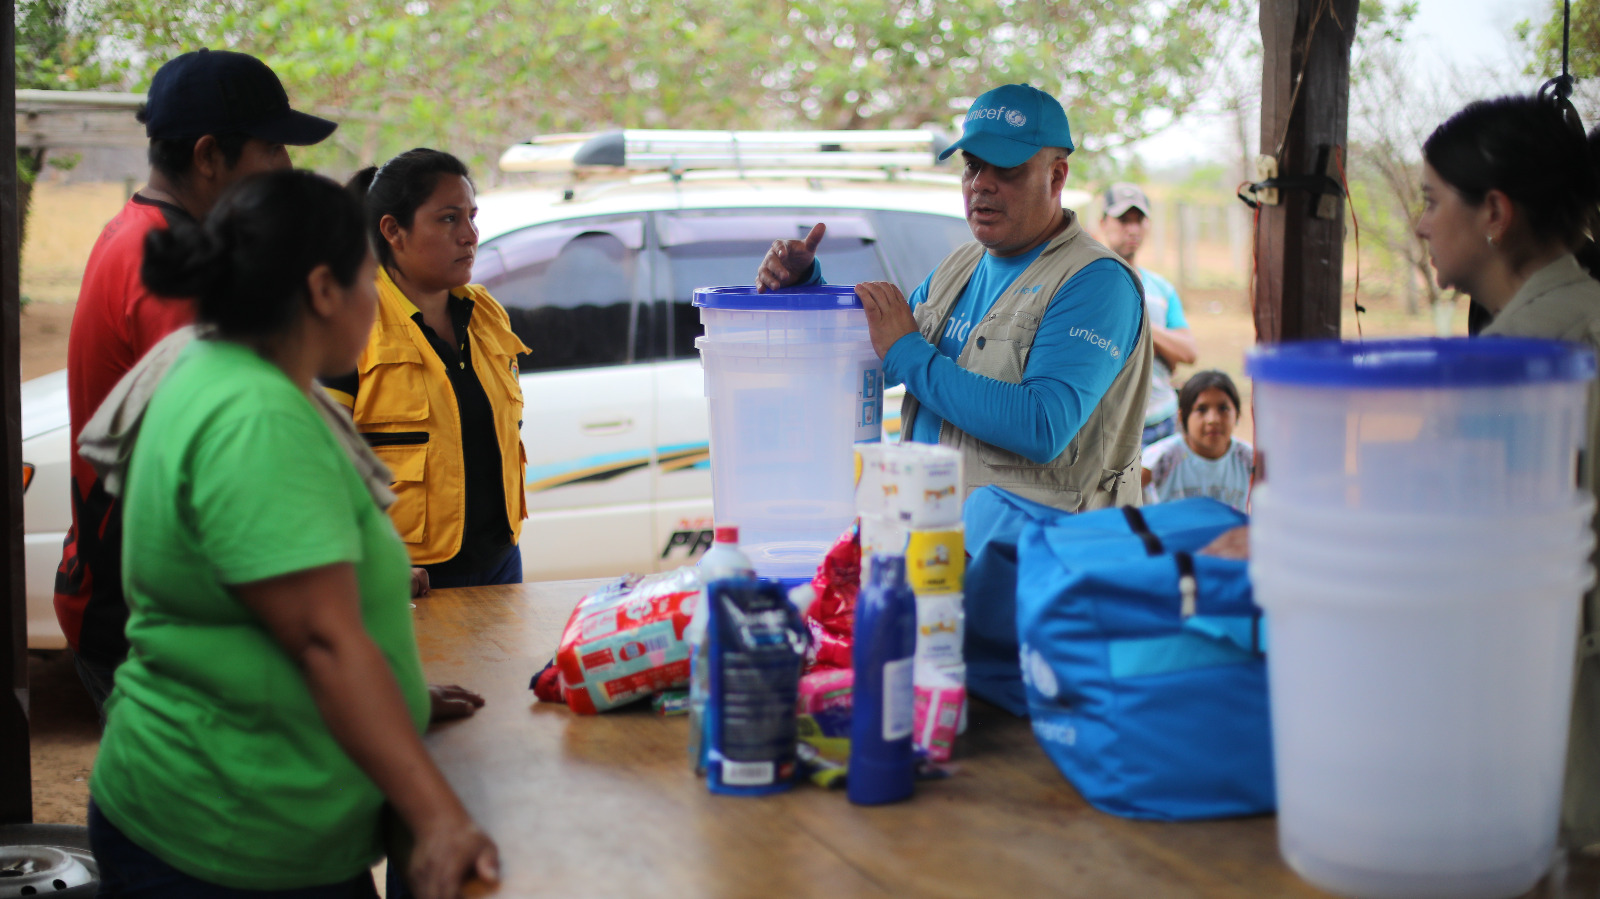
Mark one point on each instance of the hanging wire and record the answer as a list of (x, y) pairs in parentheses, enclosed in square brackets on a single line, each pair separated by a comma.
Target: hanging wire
[(1558, 90), (1350, 203)]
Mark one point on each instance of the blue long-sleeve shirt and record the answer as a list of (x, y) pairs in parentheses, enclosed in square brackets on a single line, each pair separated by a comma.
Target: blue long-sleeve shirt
[(1086, 333)]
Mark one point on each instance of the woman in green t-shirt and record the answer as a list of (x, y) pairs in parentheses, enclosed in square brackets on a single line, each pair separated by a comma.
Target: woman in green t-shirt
[(273, 697)]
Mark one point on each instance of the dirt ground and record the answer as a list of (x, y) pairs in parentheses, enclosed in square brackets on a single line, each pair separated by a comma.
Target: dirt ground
[(65, 733)]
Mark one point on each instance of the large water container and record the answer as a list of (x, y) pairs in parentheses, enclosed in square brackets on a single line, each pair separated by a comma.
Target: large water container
[(1420, 548), (793, 384)]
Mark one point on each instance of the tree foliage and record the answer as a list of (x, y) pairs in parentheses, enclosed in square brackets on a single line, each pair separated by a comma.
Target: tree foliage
[(473, 76), (1543, 39)]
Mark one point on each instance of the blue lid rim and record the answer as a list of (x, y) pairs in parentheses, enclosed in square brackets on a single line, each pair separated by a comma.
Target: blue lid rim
[(811, 296), (1422, 362)]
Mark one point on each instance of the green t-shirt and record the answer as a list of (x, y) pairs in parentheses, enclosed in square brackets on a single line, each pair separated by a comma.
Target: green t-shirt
[(214, 757)]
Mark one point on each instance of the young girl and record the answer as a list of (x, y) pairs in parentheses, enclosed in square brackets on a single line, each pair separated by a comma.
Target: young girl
[(1203, 459)]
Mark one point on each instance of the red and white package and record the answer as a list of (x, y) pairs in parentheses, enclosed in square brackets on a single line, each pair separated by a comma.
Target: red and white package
[(832, 617), (625, 641)]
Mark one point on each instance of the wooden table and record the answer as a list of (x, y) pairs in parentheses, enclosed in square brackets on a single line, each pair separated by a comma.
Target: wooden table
[(607, 805)]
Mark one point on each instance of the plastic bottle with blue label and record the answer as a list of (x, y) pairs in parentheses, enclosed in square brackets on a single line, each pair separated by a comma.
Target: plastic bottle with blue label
[(881, 762), (723, 560)]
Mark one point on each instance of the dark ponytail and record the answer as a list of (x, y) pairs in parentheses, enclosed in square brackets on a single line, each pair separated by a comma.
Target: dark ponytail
[(1523, 147), (246, 265), (399, 187)]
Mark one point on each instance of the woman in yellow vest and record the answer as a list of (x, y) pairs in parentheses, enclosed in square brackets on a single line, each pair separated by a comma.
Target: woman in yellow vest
[(436, 393)]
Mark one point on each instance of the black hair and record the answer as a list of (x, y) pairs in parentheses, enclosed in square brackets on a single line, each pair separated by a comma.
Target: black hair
[(247, 264), (1199, 383), (174, 157), (1522, 146), (399, 187)]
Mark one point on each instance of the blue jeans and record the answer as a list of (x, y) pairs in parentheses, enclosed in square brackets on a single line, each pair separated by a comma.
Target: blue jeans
[(505, 570), (128, 871)]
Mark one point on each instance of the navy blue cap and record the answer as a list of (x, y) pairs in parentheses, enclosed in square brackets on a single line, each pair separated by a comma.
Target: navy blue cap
[(1421, 362), (1009, 124), (222, 92)]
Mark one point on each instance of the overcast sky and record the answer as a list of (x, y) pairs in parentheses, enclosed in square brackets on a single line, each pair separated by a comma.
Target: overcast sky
[(1468, 35)]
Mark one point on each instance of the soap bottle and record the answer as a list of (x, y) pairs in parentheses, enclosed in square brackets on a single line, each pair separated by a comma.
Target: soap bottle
[(723, 560), (881, 763)]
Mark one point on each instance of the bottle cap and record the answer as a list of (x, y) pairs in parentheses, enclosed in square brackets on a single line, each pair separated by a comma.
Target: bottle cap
[(728, 533)]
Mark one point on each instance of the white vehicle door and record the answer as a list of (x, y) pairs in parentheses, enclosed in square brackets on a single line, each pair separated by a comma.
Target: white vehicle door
[(718, 248), (572, 290)]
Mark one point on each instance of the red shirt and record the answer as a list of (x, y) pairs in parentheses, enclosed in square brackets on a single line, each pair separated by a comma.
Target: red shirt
[(116, 321)]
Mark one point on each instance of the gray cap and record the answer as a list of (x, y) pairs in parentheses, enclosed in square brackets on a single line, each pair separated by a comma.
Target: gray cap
[(1122, 196)]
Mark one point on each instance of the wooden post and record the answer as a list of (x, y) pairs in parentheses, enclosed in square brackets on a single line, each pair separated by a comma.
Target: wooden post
[(16, 771), (1301, 255)]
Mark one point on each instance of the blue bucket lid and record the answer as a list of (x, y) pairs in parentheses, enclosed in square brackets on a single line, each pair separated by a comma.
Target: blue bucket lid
[(812, 296), (1422, 362)]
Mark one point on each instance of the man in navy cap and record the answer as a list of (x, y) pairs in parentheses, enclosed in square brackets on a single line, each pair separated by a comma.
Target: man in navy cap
[(1027, 350), (213, 117)]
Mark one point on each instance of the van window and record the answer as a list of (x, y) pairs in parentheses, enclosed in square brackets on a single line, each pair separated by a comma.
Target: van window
[(722, 248), (570, 289)]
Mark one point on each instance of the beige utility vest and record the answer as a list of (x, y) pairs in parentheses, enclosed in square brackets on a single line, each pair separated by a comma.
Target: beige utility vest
[(1100, 467)]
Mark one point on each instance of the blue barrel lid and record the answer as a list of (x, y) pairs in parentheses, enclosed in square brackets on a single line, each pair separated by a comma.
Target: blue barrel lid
[(1422, 362), (812, 296)]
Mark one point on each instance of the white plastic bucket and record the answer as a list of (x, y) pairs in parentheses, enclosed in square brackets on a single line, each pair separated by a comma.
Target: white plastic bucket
[(792, 384), (1418, 741)]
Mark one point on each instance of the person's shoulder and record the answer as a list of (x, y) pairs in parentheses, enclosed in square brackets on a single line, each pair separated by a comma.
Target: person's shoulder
[(1154, 281), (1170, 445)]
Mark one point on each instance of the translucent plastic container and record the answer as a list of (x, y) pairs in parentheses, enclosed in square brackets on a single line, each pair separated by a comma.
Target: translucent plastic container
[(1419, 735), (793, 384), (1421, 551), (1407, 426)]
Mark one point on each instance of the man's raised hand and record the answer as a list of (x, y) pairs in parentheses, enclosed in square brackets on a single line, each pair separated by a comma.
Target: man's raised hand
[(789, 260)]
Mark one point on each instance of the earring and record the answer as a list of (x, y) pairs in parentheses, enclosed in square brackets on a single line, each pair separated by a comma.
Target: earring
[(1490, 238)]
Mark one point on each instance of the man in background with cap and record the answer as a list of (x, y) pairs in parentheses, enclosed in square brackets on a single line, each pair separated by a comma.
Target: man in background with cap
[(1026, 350), (1123, 225), (213, 118)]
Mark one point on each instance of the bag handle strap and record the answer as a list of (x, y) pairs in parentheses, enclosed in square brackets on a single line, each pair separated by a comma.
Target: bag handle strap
[(1188, 584), (1141, 529)]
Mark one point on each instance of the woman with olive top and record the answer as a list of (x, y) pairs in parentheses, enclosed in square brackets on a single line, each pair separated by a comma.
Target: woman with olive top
[(1512, 196), (436, 392)]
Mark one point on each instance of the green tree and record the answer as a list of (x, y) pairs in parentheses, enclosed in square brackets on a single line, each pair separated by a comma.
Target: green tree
[(1543, 39), (56, 49), (473, 76)]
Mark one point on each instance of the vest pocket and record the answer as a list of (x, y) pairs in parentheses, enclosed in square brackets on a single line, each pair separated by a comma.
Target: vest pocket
[(393, 384), (408, 463), (1000, 345)]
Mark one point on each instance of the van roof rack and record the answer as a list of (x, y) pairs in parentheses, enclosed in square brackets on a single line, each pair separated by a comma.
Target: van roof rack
[(668, 150)]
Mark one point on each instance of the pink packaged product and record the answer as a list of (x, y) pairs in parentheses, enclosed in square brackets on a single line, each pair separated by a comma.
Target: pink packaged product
[(625, 642), (827, 695), (936, 711)]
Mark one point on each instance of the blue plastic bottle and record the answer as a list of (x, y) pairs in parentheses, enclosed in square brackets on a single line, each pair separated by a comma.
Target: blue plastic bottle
[(880, 728)]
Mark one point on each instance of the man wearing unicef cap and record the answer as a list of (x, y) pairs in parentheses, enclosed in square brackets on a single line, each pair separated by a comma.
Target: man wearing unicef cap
[(1027, 349), (213, 117)]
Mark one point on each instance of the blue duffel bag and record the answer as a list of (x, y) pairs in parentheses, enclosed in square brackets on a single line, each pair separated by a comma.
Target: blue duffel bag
[(1146, 681)]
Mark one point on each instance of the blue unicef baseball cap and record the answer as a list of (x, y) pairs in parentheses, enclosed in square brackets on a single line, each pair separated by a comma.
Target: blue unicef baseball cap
[(1009, 124)]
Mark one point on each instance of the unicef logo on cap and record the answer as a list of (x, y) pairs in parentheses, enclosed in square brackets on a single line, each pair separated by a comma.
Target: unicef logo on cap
[(1015, 118)]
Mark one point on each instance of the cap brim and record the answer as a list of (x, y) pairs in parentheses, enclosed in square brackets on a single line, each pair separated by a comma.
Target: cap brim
[(297, 129), (994, 149), (1118, 210)]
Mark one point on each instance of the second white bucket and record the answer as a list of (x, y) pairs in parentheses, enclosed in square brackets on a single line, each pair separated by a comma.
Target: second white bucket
[(793, 384)]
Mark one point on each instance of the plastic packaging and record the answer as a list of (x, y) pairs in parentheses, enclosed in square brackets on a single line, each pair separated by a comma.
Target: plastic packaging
[(757, 646), (831, 614), (941, 694), (723, 560), (881, 760), (626, 641)]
